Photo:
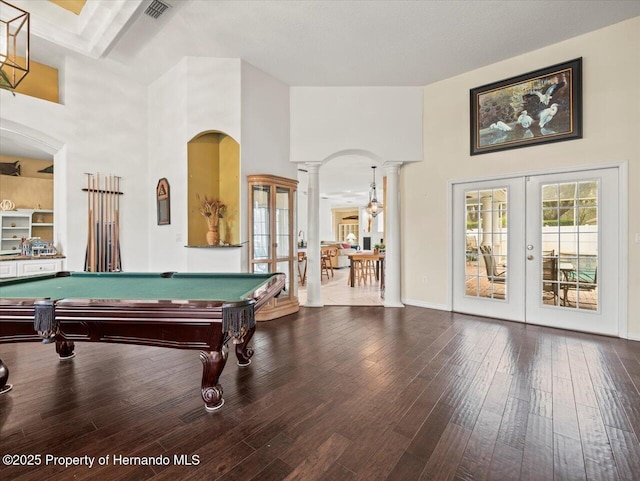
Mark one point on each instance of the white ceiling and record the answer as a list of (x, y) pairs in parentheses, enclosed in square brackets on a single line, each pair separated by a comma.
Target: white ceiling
[(320, 42)]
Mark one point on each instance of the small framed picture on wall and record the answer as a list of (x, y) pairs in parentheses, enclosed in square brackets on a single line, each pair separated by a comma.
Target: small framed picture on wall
[(163, 202)]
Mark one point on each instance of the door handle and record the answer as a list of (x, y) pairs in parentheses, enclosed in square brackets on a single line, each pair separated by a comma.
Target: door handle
[(530, 257)]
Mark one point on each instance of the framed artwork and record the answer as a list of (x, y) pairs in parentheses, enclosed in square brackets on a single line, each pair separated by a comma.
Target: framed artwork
[(163, 202), (534, 108)]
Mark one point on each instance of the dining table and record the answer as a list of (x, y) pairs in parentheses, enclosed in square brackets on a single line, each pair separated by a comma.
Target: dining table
[(377, 257)]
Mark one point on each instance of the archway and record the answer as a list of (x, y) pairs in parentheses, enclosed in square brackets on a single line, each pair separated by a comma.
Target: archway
[(317, 174), (26, 142)]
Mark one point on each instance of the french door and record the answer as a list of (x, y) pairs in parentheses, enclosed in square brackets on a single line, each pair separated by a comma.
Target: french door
[(540, 249)]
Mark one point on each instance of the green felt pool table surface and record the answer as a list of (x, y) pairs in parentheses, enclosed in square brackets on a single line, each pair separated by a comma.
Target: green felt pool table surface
[(231, 287)]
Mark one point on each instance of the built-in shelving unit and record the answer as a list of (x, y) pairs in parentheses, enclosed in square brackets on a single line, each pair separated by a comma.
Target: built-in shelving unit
[(24, 223), (345, 229)]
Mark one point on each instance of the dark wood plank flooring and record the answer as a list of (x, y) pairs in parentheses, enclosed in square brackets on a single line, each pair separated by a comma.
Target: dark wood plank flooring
[(338, 393)]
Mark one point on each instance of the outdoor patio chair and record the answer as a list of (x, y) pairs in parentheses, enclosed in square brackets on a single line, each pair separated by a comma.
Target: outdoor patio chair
[(585, 278), (550, 278), (493, 272)]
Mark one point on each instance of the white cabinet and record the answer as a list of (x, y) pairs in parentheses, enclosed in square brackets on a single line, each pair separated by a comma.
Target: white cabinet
[(38, 266), (8, 269), (30, 267)]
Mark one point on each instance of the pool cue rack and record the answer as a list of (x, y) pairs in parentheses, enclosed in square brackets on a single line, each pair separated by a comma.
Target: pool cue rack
[(103, 223)]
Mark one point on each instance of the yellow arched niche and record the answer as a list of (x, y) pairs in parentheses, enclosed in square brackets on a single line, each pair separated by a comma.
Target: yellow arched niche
[(213, 172)]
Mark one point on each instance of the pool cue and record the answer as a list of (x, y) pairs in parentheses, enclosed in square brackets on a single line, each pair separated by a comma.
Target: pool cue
[(108, 225), (103, 259), (111, 220), (113, 223), (105, 222), (117, 223), (92, 253), (86, 254), (100, 224), (94, 231)]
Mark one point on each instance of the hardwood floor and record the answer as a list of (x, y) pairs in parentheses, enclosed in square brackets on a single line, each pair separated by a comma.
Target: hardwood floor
[(338, 393)]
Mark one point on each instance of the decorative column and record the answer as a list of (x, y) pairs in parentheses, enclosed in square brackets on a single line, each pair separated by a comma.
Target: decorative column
[(392, 235), (314, 296)]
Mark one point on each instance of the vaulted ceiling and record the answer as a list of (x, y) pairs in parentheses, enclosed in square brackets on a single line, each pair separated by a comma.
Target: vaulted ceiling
[(317, 43)]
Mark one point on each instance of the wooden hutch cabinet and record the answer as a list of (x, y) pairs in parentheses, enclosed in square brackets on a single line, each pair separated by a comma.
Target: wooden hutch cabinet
[(272, 236)]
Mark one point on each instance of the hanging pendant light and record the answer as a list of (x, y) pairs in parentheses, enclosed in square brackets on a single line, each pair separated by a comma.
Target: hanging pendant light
[(374, 207), (14, 45)]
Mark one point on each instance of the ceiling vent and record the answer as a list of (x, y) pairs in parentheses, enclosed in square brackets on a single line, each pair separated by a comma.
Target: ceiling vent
[(156, 8)]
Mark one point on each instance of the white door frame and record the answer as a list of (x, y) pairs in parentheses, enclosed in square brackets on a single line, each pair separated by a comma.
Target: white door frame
[(623, 237)]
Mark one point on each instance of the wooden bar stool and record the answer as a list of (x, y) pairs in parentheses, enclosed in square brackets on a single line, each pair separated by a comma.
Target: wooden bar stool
[(325, 264), (302, 272), (369, 271)]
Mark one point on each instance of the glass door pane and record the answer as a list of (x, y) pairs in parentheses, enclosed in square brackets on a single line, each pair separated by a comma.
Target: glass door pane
[(486, 236), (283, 218), (284, 268), (261, 236), (569, 239)]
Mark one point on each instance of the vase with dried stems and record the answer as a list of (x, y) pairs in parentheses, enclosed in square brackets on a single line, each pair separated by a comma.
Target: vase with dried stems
[(212, 210)]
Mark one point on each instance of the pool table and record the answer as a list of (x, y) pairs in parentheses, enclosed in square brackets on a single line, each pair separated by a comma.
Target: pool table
[(180, 310)]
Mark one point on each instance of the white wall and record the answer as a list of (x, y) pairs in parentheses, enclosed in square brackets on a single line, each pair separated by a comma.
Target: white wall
[(265, 136), (167, 157), (611, 69), (211, 94), (197, 95), (100, 128), (378, 122), (386, 121)]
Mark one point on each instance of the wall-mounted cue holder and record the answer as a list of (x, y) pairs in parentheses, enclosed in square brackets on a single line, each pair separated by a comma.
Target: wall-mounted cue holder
[(103, 223)]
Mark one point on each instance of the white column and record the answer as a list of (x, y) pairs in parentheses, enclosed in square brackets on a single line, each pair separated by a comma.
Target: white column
[(314, 296), (392, 235), (486, 219)]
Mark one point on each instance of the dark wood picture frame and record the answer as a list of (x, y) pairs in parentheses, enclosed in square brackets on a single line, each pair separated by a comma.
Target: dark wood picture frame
[(163, 201), (535, 108)]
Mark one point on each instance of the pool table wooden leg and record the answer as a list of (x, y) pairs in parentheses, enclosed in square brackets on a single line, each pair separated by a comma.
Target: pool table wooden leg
[(212, 365), (4, 377), (65, 349), (243, 351)]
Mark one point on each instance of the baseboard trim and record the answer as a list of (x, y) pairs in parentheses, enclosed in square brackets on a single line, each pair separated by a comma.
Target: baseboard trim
[(427, 305), (633, 336)]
